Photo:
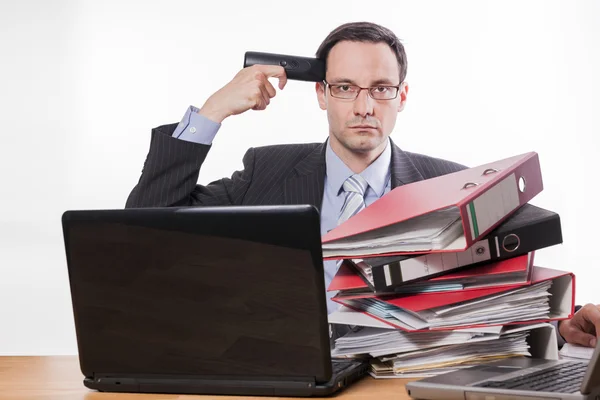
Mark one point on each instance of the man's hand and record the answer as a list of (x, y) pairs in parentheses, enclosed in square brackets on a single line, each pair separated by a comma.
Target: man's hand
[(583, 328), (249, 89)]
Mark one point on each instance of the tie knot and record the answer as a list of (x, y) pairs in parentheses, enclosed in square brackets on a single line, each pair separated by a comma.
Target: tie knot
[(356, 184)]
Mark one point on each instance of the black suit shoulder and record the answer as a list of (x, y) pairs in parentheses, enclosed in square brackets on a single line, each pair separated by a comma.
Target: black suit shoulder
[(430, 167)]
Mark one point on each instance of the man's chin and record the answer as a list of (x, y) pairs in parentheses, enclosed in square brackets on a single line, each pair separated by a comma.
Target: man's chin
[(364, 144)]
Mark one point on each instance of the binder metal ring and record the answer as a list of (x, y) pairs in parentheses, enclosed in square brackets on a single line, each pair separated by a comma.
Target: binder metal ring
[(489, 171), (508, 246), (470, 185)]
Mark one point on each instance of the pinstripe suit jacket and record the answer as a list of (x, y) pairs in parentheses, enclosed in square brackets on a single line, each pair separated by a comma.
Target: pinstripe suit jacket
[(279, 174)]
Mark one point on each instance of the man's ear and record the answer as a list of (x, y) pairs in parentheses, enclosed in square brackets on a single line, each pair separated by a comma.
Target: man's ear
[(403, 93), (321, 97)]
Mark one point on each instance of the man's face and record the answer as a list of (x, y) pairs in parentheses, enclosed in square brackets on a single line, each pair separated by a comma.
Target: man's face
[(361, 125)]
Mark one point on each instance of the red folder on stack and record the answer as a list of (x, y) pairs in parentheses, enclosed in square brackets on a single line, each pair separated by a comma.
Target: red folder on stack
[(562, 299), (511, 272), (479, 198)]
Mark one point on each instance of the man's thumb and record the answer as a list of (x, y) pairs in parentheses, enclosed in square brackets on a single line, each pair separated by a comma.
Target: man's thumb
[(583, 339)]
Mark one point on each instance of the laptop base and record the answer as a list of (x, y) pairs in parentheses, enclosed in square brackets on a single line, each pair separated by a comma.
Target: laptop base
[(220, 386)]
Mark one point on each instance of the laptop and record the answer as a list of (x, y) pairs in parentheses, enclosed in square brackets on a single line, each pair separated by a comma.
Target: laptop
[(202, 300), (515, 378)]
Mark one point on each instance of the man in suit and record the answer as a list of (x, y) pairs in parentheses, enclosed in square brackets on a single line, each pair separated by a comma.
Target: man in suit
[(363, 92)]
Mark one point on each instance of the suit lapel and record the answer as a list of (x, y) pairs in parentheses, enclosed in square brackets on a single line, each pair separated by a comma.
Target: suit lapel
[(403, 169), (306, 184)]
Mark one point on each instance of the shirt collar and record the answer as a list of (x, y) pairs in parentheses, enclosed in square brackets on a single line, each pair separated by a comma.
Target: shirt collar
[(377, 174)]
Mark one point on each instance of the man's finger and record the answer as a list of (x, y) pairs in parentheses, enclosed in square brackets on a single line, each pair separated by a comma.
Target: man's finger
[(267, 85), (259, 105), (274, 71), (258, 98), (591, 314), (270, 89), (265, 95), (579, 337)]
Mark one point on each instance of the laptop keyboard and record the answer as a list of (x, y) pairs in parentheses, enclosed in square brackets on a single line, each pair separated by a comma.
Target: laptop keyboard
[(563, 378)]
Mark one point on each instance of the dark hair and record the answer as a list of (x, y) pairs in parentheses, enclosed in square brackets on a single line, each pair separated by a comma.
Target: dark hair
[(364, 32)]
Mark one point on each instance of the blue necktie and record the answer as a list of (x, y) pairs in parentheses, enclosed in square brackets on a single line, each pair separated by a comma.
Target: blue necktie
[(355, 188)]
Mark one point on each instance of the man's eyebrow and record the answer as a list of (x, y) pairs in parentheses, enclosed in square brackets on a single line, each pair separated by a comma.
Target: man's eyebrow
[(337, 81), (382, 81)]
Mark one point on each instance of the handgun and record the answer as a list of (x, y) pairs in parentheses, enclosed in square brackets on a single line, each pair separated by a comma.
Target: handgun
[(296, 67)]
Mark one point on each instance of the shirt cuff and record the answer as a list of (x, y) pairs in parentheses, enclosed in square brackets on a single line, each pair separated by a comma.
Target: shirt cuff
[(196, 128)]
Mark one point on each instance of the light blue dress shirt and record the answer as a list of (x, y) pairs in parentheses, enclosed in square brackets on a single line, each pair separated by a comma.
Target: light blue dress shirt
[(199, 129)]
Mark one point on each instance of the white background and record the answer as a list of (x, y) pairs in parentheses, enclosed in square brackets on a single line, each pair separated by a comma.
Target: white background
[(83, 82)]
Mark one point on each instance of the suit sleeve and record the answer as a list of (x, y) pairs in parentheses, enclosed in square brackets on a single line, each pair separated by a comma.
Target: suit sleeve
[(170, 175)]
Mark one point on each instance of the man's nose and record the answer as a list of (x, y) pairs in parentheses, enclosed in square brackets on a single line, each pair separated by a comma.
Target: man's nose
[(363, 104)]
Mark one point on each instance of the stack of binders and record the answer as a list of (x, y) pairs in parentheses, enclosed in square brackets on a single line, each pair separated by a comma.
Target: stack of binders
[(451, 256)]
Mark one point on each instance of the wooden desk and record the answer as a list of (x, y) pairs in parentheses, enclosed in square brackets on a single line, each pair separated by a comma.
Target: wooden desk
[(59, 378)]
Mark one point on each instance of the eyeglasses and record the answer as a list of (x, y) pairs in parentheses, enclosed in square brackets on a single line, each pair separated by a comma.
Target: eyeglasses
[(351, 92)]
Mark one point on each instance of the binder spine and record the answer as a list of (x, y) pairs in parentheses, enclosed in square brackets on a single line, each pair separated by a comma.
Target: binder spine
[(491, 207), (484, 211), (528, 238), (391, 275)]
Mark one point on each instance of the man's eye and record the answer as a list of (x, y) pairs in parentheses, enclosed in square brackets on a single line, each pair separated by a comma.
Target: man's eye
[(382, 89), (344, 88)]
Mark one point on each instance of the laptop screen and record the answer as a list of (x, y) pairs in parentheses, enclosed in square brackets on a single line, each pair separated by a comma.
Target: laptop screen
[(225, 291)]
